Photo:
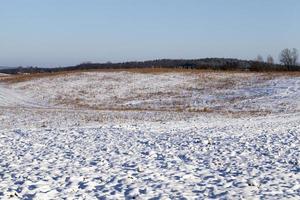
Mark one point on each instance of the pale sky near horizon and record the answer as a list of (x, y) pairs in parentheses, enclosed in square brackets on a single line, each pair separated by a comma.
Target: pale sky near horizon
[(50, 33)]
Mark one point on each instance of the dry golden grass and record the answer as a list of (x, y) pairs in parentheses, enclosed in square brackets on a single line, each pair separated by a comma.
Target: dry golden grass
[(201, 72), (205, 80)]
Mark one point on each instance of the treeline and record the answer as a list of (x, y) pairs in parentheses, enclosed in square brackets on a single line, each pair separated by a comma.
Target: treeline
[(207, 63)]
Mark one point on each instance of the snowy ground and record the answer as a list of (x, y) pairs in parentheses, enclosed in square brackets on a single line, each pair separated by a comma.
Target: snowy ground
[(164, 136)]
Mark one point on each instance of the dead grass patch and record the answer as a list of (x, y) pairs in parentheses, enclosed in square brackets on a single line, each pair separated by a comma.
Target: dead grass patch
[(202, 73)]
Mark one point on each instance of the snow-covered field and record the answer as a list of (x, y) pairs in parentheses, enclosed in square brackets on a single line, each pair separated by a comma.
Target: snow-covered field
[(116, 135)]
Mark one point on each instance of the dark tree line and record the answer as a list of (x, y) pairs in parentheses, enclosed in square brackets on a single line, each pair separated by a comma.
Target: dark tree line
[(207, 63)]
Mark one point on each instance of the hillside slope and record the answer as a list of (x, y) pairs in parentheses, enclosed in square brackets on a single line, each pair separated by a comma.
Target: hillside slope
[(125, 135)]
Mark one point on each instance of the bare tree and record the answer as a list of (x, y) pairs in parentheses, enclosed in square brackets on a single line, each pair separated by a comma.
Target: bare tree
[(259, 58), (295, 56), (289, 57), (270, 59)]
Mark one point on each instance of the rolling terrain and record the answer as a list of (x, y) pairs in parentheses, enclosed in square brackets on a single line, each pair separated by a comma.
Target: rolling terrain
[(150, 134)]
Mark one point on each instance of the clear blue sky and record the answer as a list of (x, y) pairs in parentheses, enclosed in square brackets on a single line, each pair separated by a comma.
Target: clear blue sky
[(65, 32)]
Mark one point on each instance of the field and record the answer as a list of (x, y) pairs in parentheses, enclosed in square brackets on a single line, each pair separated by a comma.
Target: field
[(150, 133)]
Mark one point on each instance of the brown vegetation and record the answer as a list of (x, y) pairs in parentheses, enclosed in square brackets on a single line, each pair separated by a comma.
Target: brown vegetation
[(27, 77)]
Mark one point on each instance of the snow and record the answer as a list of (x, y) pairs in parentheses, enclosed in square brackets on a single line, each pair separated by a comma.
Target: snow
[(171, 91), (1, 74), (62, 149), (11, 98)]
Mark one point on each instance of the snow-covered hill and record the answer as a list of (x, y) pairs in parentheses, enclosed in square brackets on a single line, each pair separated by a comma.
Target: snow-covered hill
[(220, 92), (130, 135), (13, 98)]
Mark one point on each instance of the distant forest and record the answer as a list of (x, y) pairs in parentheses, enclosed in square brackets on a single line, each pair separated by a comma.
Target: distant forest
[(206, 63)]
